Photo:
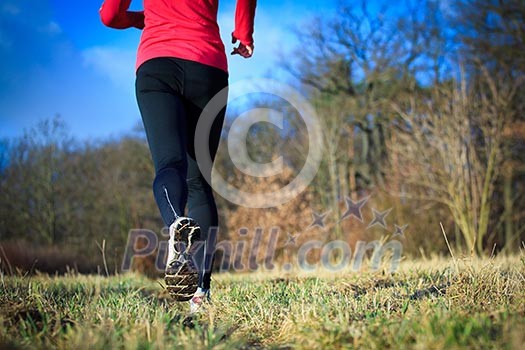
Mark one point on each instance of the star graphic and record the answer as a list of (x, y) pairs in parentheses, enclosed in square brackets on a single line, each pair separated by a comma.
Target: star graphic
[(291, 239), (379, 218), (318, 219), (400, 231), (354, 208)]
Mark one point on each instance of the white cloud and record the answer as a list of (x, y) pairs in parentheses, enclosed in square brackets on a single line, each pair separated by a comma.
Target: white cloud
[(51, 28), (10, 9), (116, 64)]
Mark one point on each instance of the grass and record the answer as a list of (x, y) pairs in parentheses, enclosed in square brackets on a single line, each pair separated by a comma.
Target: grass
[(425, 305)]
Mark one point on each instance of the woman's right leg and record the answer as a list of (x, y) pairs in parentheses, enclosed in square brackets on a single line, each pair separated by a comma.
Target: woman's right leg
[(201, 84)]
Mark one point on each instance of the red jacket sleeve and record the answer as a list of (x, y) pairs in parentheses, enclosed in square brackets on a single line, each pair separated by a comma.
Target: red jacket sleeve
[(244, 19), (115, 14)]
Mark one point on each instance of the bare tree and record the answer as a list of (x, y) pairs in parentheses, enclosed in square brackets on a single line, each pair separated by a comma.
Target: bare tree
[(352, 65), (492, 32), (451, 150)]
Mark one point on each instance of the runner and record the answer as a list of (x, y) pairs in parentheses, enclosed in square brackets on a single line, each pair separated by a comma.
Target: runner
[(181, 65)]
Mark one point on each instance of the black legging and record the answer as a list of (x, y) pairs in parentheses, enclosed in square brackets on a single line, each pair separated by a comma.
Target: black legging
[(171, 94)]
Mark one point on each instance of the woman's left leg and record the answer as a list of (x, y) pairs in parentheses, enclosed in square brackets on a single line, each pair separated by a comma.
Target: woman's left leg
[(159, 97)]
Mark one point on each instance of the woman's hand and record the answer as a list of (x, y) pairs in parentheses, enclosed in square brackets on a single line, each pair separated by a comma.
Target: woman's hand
[(245, 51)]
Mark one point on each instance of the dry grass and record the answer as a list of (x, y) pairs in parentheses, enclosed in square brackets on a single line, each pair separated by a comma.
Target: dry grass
[(425, 305)]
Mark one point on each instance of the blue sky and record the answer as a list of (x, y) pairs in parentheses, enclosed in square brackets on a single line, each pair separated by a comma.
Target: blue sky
[(58, 58)]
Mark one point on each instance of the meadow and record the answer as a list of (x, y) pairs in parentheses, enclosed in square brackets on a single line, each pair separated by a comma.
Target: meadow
[(427, 304), (420, 111)]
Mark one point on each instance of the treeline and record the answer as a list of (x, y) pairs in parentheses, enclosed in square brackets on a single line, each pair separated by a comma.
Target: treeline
[(57, 191), (422, 108)]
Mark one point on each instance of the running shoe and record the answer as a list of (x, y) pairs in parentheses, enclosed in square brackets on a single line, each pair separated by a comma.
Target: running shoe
[(199, 298), (182, 276)]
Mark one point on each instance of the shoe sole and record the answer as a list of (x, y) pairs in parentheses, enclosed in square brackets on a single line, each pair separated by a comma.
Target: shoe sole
[(183, 284)]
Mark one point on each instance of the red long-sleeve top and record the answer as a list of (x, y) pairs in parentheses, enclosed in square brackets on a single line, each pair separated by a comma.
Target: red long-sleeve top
[(185, 29)]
